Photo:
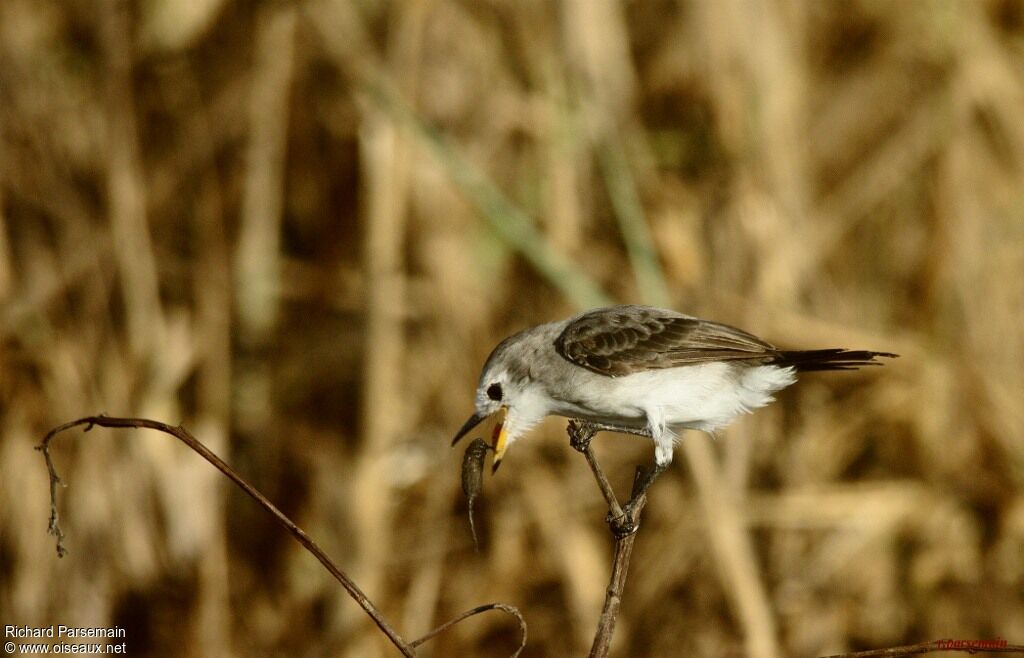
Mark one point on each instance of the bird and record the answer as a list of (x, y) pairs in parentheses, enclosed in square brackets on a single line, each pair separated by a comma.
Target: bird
[(642, 370)]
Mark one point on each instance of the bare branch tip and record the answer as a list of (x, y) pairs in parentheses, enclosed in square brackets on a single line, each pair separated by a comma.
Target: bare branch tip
[(53, 529), (504, 607)]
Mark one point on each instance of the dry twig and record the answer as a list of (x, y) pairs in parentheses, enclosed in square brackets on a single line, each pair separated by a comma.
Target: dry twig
[(623, 527), (405, 647), (620, 568)]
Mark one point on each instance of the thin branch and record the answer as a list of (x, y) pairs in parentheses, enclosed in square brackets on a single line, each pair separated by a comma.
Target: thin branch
[(185, 437), (406, 648), (969, 646), (512, 610), (53, 527), (581, 433), (614, 508), (620, 568)]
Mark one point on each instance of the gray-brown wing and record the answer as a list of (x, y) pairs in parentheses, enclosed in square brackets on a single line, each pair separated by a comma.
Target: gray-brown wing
[(621, 340)]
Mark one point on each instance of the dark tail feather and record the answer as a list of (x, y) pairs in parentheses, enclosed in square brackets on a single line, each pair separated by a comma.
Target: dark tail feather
[(832, 359)]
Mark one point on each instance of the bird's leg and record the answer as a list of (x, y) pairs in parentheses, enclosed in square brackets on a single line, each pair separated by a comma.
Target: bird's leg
[(650, 476), (663, 446), (626, 523), (581, 433), (635, 431)]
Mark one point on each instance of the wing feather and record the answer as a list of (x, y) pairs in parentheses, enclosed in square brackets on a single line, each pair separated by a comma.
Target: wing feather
[(621, 340)]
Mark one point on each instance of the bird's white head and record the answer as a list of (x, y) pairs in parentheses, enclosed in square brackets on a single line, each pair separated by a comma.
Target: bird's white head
[(508, 387)]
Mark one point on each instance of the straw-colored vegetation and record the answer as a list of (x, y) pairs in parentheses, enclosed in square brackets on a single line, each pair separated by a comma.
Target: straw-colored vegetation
[(300, 229)]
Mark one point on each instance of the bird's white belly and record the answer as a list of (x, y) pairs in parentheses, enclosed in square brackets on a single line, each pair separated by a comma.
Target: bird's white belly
[(704, 396)]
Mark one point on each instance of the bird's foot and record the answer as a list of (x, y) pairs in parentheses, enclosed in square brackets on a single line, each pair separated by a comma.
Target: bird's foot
[(625, 524), (581, 433)]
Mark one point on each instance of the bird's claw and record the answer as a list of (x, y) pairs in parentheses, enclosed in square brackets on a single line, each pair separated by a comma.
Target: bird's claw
[(580, 435)]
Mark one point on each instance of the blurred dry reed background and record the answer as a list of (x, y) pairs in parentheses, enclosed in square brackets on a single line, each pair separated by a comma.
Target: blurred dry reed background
[(299, 229)]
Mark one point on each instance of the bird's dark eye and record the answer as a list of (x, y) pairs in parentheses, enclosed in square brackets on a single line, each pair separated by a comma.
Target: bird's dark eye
[(494, 392)]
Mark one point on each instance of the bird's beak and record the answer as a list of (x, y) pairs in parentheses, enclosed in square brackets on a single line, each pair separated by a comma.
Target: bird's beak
[(500, 440), (468, 426)]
